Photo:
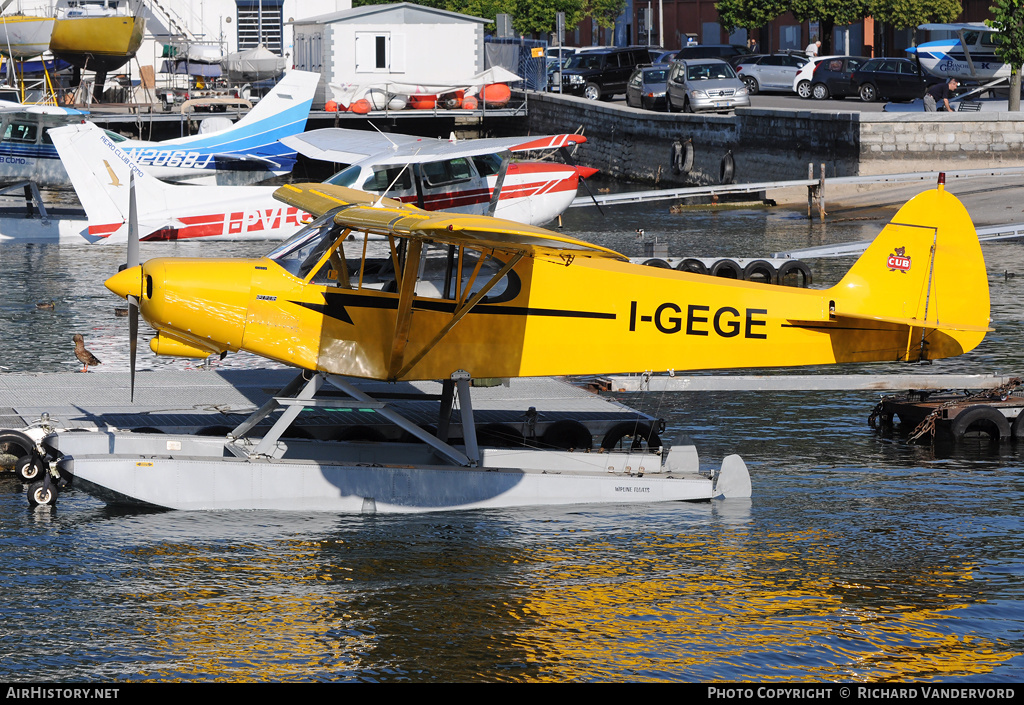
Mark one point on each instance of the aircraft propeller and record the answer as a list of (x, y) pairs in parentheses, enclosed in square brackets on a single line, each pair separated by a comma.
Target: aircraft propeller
[(564, 151), (133, 261)]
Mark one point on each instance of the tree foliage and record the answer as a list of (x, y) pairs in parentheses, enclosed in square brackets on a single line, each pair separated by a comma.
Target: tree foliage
[(1008, 18), (904, 14), (828, 14), (528, 16), (748, 14)]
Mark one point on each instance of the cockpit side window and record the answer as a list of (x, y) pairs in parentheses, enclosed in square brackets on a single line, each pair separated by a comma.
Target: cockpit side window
[(487, 164), (400, 176), (345, 177), (20, 132), (447, 172), (304, 249)]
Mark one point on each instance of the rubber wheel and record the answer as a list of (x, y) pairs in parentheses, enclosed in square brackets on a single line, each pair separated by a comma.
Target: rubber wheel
[(29, 468), (751, 83), (803, 89), (637, 434), (687, 107), (790, 271), (592, 91), (727, 269), (980, 419), (694, 266), (868, 93), (567, 435), (819, 91), (759, 271), (39, 494)]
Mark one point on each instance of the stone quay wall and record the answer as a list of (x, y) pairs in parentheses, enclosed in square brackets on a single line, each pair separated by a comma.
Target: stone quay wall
[(777, 145)]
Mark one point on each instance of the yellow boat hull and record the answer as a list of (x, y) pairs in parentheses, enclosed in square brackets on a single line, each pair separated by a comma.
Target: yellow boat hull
[(97, 43)]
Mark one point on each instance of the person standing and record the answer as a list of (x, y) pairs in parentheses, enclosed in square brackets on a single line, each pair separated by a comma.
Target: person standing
[(812, 48), (940, 91)]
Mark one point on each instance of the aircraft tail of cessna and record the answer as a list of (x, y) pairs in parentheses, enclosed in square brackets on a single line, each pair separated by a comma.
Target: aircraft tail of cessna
[(245, 152), (968, 55), (474, 295), (100, 173)]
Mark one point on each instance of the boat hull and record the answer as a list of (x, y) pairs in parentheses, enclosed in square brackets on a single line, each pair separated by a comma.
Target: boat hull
[(24, 37), (97, 43)]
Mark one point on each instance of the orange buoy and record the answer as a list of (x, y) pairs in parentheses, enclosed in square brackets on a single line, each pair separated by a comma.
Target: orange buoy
[(331, 106), (496, 94), (469, 103), (360, 107), (422, 102)]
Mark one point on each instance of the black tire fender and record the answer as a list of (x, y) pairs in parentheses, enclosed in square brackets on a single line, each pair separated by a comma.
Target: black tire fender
[(793, 267), (635, 430), (760, 271), (1017, 427), (19, 441), (682, 157), (727, 171), (983, 419), (659, 263), (692, 265), (567, 435), (727, 269)]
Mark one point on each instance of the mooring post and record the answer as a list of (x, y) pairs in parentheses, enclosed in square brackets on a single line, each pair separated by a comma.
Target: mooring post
[(810, 188), (821, 194)]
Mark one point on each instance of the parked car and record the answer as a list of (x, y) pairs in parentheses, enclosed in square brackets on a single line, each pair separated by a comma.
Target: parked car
[(712, 51), (602, 73), (666, 57), (646, 87), (895, 79), (770, 72), (704, 84), (830, 77)]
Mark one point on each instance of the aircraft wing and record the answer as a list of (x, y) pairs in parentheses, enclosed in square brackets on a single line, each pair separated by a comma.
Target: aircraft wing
[(363, 212), (343, 146)]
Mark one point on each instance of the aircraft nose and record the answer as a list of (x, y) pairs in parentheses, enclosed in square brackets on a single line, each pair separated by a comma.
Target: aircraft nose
[(127, 282)]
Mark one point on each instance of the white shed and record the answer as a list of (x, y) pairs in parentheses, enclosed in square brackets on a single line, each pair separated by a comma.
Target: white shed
[(376, 44)]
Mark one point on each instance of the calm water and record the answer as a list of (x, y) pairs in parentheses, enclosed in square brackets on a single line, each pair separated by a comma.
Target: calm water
[(859, 558)]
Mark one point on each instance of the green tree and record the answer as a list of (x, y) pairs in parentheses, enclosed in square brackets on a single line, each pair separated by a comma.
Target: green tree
[(748, 14), (1008, 18), (828, 14), (902, 14), (605, 11), (538, 16)]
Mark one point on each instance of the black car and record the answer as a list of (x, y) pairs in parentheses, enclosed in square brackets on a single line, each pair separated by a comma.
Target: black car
[(833, 77), (602, 73), (895, 79), (646, 87), (725, 52)]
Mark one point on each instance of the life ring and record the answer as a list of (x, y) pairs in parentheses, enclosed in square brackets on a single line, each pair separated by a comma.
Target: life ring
[(655, 262), (567, 435), (759, 271), (980, 419), (727, 269), (727, 169), (682, 157), (638, 433), (18, 444), (1017, 427), (694, 266), (794, 267)]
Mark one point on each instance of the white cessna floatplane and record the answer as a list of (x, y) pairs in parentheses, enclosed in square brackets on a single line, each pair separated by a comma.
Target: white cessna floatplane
[(460, 297), (969, 55), (246, 152), (533, 192)]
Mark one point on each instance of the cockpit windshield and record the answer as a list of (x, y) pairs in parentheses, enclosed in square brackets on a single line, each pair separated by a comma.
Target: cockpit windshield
[(305, 248)]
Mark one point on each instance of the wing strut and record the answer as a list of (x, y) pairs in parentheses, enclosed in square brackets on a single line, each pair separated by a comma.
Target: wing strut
[(496, 195)]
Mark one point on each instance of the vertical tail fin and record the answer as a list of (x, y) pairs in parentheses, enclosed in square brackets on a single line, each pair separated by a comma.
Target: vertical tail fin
[(926, 270), (100, 174)]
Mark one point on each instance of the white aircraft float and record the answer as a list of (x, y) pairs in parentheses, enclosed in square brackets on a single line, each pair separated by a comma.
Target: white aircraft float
[(968, 56), (535, 193), (246, 152)]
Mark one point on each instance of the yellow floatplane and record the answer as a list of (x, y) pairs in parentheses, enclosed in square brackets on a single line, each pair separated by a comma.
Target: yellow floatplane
[(460, 297)]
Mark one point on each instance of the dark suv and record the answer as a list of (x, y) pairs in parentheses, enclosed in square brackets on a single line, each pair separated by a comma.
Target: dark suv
[(603, 72)]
